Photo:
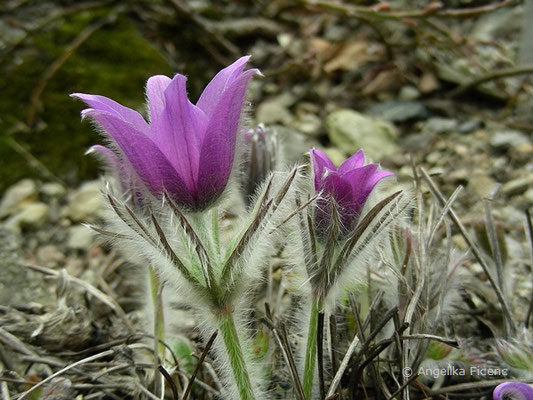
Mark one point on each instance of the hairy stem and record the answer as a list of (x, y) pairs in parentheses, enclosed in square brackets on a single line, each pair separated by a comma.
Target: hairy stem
[(156, 291), (236, 357), (311, 348)]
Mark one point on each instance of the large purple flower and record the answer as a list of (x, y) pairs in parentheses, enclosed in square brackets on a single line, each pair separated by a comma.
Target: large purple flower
[(349, 187), (513, 391), (186, 149)]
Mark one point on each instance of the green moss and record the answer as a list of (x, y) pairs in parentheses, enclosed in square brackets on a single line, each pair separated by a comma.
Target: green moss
[(115, 62)]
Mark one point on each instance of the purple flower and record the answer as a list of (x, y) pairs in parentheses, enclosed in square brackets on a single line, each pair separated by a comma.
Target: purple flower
[(349, 187), (186, 149), (513, 391)]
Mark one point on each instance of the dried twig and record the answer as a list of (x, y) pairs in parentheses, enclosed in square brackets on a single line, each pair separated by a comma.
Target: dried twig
[(477, 254), (199, 365)]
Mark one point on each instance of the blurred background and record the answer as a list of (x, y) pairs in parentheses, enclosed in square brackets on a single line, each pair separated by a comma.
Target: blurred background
[(411, 64)]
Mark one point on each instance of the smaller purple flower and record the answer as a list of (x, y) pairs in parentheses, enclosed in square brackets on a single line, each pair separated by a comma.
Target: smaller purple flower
[(513, 391), (187, 149), (349, 186)]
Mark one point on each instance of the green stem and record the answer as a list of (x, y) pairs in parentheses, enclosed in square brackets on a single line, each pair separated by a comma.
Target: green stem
[(310, 349), (236, 357), (156, 292)]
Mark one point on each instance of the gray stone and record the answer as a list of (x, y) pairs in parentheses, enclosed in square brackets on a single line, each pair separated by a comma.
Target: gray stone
[(85, 203), (518, 185), (409, 92), (481, 185), (53, 189), (399, 111), (508, 139), (308, 124), (469, 126), (351, 131), (275, 110), (80, 237), (17, 283), (17, 197), (33, 216), (440, 125)]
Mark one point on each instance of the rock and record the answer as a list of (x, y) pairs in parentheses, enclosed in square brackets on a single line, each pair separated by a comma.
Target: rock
[(528, 196), (335, 155), (53, 190), (17, 197), (518, 185), (34, 216), (481, 185), (294, 144), (399, 111), (440, 125), (408, 92), (79, 237), (18, 284), (85, 203), (508, 139), (275, 110), (351, 131), (49, 256), (308, 124), (470, 126)]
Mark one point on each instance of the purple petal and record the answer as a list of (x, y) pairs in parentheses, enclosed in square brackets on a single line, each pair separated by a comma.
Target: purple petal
[(355, 161), (105, 104), (213, 92), (320, 162), (180, 130), (107, 156), (155, 91), (145, 158), (513, 390), (363, 181), (218, 148)]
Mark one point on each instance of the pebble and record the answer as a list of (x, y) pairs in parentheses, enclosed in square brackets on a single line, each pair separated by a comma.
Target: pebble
[(508, 139), (80, 237), (53, 190), (351, 131), (518, 185), (481, 185), (440, 125), (34, 216), (17, 197), (49, 256), (469, 126), (399, 111), (408, 92), (85, 203)]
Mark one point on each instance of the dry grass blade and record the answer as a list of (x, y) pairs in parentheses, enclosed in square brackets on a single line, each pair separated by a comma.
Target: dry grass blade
[(170, 382), (109, 301), (199, 365), (529, 233), (67, 368), (477, 254), (443, 213), (495, 247), (198, 245)]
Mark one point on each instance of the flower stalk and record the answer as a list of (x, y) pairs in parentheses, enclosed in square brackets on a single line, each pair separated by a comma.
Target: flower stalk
[(236, 357), (311, 349)]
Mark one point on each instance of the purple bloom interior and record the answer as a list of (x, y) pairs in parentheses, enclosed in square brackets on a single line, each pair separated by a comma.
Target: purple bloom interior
[(186, 149), (513, 390), (349, 186)]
